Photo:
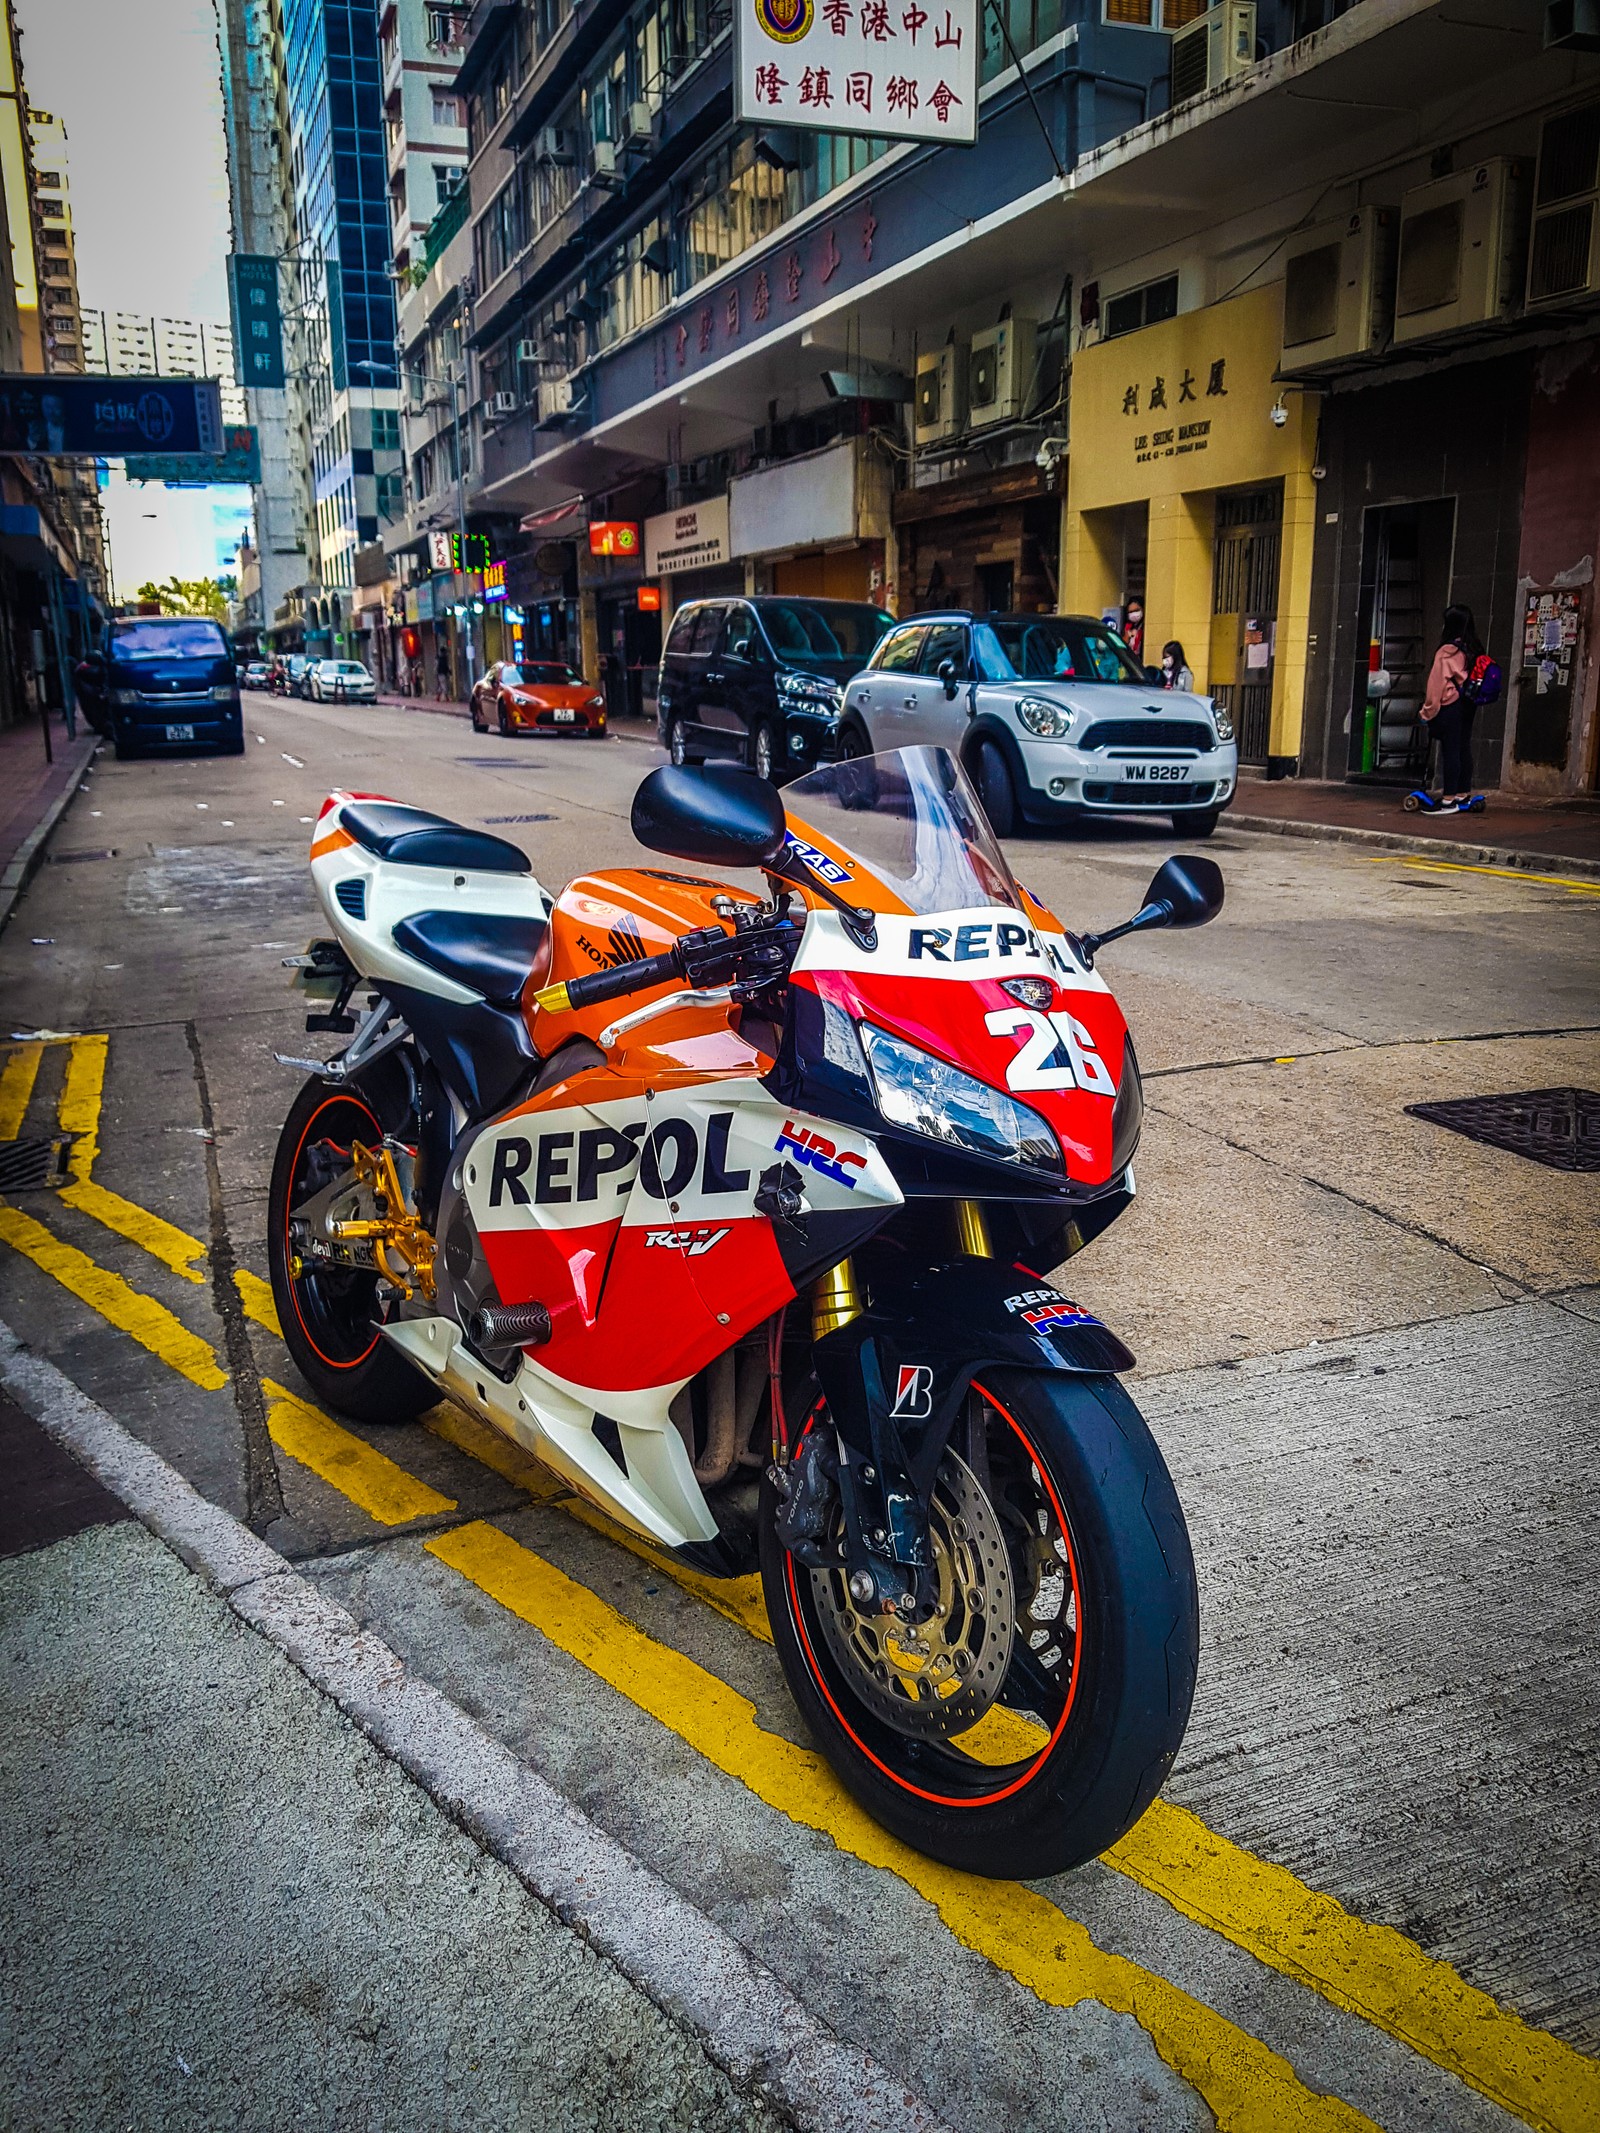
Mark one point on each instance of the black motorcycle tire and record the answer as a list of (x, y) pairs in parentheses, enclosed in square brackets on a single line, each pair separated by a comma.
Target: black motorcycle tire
[(1124, 1720), (330, 1322)]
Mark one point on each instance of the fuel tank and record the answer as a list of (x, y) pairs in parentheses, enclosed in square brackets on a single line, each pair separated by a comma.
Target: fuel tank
[(603, 921)]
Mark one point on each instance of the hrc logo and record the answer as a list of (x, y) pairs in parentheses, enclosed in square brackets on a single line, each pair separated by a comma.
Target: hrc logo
[(808, 1147)]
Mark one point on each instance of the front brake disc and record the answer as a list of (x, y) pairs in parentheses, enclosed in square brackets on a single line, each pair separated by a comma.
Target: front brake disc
[(933, 1679)]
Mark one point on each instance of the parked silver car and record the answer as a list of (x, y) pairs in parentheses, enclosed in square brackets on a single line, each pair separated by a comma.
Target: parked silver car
[(341, 681), (1051, 715)]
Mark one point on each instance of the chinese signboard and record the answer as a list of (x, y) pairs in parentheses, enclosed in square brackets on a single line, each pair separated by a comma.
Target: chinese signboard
[(445, 551), (897, 69), (689, 539), (439, 551), (257, 319), (614, 536), (1187, 404), (494, 582), (239, 460), (107, 417)]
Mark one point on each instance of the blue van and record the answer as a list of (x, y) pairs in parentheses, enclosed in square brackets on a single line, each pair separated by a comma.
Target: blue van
[(171, 684)]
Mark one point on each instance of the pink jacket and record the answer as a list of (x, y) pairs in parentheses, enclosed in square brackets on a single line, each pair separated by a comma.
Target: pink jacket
[(1450, 668)]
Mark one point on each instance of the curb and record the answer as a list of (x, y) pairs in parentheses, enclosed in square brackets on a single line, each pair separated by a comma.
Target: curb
[(30, 851), (744, 2018), (1396, 841)]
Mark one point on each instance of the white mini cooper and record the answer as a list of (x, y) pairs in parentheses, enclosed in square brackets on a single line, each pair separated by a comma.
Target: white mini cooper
[(1051, 715)]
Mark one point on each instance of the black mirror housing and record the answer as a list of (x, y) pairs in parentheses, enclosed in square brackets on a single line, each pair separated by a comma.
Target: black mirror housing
[(947, 674), (1189, 886), (719, 815)]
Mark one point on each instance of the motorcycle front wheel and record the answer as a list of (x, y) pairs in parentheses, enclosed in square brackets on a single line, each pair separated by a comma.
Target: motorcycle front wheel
[(1064, 1565)]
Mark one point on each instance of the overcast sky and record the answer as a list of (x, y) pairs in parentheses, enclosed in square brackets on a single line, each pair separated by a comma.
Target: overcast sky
[(138, 85)]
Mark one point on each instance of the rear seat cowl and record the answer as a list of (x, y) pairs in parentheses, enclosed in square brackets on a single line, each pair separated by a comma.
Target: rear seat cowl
[(410, 836)]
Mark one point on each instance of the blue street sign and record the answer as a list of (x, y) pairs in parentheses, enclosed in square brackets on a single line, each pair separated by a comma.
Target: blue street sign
[(239, 460), (61, 416)]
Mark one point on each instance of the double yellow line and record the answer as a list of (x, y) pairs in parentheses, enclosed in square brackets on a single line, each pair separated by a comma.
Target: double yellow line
[(1370, 1971)]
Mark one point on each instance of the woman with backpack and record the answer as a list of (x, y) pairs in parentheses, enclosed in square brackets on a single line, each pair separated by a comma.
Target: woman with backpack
[(1455, 688)]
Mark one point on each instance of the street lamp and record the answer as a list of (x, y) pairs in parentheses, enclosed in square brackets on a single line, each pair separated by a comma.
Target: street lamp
[(453, 385)]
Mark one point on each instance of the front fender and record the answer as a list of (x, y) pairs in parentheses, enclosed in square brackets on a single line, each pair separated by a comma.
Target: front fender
[(895, 1377)]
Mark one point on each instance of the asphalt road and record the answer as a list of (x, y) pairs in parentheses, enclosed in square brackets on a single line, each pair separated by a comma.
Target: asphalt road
[(1370, 1349)]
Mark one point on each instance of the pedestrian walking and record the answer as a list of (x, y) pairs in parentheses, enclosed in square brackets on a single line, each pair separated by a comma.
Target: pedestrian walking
[(1175, 669), (1447, 707), (1133, 628), (441, 673)]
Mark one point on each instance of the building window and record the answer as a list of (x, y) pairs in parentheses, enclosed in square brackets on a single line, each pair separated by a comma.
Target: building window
[(55, 209), (1155, 14), (385, 429), (50, 179), (446, 29), (1148, 306), (447, 108)]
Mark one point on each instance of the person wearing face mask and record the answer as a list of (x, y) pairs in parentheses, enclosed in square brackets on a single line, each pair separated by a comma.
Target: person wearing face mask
[(1133, 627), (1175, 671)]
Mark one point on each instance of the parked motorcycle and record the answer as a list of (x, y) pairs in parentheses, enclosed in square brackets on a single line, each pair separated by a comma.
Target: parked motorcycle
[(737, 1208)]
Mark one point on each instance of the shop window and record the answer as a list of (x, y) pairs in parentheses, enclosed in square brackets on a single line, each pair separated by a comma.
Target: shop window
[(1137, 308)]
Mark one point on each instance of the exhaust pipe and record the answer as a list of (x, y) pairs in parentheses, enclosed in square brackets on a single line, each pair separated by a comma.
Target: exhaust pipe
[(494, 1328)]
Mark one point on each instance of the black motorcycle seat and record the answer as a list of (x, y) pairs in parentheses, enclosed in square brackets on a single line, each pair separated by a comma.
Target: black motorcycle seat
[(411, 837), (491, 952)]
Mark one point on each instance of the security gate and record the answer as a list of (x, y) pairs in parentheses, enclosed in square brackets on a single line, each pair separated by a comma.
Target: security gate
[(1244, 612)]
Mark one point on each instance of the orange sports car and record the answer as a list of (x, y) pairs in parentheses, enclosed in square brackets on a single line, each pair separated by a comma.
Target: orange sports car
[(539, 696)]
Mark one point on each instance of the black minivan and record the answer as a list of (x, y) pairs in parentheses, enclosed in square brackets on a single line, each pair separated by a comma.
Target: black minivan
[(762, 679), (170, 683)]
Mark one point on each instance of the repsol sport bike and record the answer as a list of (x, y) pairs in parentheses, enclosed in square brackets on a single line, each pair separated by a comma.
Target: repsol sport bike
[(737, 1206)]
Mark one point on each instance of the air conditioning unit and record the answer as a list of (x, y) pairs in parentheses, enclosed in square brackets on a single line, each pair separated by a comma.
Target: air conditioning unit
[(451, 179), (1461, 251), (555, 402), (1000, 372), (1564, 252), (641, 122), (607, 163), (1338, 289), (1213, 49), (506, 403), (941, 394), (552, 145), (527, 351)]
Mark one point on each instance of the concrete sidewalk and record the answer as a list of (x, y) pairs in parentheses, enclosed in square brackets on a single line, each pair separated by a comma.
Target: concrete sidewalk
[(1530, 832), (34, 794), (230, 1901)]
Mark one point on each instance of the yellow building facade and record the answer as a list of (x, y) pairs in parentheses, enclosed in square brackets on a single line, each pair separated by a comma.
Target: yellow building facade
[(1190, 488)]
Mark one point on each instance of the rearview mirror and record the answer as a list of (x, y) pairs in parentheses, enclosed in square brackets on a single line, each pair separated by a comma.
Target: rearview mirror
[(718, 814), (947, 674), (1186, 891), (1190, 887)]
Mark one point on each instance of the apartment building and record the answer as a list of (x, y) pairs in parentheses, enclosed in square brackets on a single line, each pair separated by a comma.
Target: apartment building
[(133, 344)]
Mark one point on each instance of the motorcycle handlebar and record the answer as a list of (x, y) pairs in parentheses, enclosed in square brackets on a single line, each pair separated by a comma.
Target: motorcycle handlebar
[(599, 986)]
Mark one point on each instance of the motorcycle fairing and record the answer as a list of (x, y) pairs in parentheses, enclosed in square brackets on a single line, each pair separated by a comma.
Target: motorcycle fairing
[(895, 1377), (633, 1219), (939, 982)]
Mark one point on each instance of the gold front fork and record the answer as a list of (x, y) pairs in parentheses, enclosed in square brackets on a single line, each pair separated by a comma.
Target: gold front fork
[(835, 1300), (972, 1230)]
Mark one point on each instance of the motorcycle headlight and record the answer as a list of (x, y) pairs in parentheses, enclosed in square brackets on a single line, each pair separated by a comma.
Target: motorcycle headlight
[(922, 1093), (1127, 1113), (1222, 719), (1051, 722)]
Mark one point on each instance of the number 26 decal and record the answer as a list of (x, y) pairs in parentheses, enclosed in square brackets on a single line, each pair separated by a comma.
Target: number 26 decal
[(1057, 1052)]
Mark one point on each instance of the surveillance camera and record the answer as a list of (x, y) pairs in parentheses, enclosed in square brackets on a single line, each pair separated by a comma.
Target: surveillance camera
[(1049, 452), (1280, 415)]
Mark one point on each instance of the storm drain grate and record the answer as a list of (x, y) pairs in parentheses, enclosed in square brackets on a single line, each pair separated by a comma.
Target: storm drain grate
[(516, 818), (34, 1166), (1560, 1127)]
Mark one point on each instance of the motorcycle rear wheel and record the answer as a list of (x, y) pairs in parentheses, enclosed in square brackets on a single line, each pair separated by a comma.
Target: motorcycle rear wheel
[(1072, 1752), (330, 1316)]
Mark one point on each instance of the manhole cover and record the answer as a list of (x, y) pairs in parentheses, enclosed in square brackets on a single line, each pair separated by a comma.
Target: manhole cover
[(1560, 1127), (516, 818), (34, 1166)]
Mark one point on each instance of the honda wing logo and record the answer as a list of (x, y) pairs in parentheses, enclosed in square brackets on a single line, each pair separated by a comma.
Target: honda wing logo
[(913, 1392)]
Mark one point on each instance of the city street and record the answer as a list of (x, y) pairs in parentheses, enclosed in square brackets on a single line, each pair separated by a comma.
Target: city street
[(1369, 1348)]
